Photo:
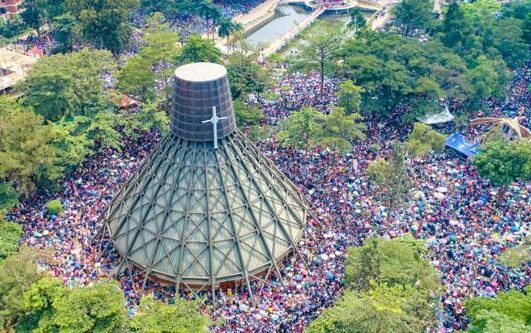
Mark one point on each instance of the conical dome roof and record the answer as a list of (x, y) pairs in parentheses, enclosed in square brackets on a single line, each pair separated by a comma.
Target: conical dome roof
[(200, 215)]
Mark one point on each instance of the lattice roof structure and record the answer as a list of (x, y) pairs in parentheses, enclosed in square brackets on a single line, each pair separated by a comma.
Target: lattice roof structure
[(195, 215)]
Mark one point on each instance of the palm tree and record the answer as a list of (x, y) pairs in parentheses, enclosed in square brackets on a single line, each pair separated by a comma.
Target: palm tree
[(211, 13), (227, 28)]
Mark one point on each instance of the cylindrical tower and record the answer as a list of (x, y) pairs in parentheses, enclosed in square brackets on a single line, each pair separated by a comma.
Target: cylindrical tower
[(198, 88)]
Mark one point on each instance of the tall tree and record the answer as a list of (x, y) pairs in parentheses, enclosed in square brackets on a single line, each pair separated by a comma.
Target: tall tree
[(391, 183), (390, 288), (27, 156), (104, 23), (349, 96), (455, 27), (414, 14), (138, 78), (66, 32), (245, 75), (508, 312), (247, 115), (227, 28), (319, 53)]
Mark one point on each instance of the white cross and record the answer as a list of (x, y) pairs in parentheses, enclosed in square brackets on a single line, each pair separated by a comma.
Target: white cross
[(214, 120)]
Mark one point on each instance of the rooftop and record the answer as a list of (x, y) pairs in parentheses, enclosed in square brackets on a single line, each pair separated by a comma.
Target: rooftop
[(200, 72)]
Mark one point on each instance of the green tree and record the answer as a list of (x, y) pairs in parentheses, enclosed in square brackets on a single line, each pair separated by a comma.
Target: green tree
[(27, 156), (38, 305), (395, 70), (247, 115), (67, 85), (391, 183), (414, 14), (319, 53), (516, 256), (493, 322), (390, 288), (10, 233), (17, 273), (300, 128), (488, 78), (8, 196), (32, 15), (182, 317), (423, 139), (338, 129), (455, 28), (391, 262), (227, 28), (508, 38), (357, 20), (104, 23), (198, 49), (382, 309), (152, 116), (66, 32), (71, 143), (513, 304), (98, 308), (137, 76), (504, 162), (245, 75), (349, 96), (481, 10)]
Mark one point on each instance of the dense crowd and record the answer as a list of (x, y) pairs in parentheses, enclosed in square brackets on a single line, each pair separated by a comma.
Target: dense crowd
[(294, 92), (458, 212)]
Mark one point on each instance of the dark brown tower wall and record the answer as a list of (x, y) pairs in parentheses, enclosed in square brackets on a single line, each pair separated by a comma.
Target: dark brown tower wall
[(197, 88)]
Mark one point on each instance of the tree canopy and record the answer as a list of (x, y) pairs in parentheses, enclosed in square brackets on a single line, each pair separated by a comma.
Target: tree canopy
[(68, 85), (423, 139), (389, 288), (179, 317), (510, 311), (198, 49), (504, 162)]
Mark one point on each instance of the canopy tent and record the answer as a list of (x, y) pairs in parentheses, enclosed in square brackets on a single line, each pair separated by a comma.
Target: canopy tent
[(437, 118), (464, 149)]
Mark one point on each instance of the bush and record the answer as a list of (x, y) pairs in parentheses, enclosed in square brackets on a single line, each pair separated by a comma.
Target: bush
[(54, 207)]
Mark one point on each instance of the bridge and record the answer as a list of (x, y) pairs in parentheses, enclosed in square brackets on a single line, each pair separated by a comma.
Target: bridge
[(346, 6)]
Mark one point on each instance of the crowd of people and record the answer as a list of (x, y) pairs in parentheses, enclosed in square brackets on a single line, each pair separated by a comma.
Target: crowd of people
[(294, 92), (456, 211)]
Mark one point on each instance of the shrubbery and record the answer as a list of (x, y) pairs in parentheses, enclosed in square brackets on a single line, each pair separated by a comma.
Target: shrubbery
[(54, 207)]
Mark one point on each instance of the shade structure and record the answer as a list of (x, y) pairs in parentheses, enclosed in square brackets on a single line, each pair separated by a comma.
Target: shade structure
[(197, 215)]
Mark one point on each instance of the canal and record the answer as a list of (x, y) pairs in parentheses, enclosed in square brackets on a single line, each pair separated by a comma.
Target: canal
[(287, 17)]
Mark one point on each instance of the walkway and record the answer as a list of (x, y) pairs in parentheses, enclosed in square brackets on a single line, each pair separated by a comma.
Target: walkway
[(363, 4), (257, 16)]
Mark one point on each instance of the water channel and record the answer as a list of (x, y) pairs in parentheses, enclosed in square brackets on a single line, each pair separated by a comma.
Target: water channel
[(287, 17)]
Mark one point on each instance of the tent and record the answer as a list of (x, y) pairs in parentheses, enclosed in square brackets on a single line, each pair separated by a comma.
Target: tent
[(464, 149), (437, 118)]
